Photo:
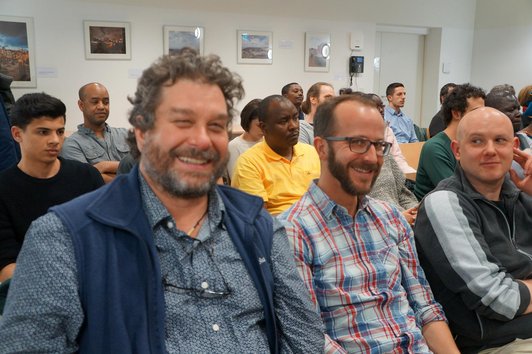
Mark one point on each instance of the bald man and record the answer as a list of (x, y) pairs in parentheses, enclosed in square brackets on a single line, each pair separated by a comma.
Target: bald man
[(96, 142), (474, 239)]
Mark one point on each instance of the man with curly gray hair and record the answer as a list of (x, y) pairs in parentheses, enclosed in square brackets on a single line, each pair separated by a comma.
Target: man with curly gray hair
[(163, 259)]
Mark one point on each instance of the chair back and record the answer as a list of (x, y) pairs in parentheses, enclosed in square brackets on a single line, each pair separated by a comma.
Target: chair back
[(411, 152)]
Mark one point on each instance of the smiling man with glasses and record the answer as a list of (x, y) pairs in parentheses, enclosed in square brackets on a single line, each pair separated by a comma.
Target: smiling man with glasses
[(356, 254)]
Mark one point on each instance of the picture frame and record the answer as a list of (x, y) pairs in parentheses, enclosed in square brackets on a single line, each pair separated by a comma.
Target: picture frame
[(317, 51), (177, 37), (254, 47), (107, 40), (17, 53)]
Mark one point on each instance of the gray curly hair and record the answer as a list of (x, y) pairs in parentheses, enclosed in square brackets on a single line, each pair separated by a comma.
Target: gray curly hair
[(169, 69)]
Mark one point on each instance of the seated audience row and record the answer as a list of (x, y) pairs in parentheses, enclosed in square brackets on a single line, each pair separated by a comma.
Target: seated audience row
[(163, 259), (167, 256)]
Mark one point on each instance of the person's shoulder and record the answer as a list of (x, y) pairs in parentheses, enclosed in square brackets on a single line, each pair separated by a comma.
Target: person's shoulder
[(255, 152), (381, 208), (8, 178), (73, 137), (300, 213), (78, 169), (74, 165), (235, 141), (307, 150), (439, 141), (118, 130)]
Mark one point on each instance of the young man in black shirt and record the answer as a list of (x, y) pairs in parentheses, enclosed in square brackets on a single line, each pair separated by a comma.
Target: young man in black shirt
[(41, 179)]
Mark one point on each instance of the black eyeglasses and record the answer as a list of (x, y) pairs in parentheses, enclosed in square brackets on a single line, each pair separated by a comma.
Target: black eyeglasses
[(204, 292), (362, 145)]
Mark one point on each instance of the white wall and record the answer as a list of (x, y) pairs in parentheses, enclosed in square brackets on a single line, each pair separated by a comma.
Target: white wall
[(502, 51), (59, 40)]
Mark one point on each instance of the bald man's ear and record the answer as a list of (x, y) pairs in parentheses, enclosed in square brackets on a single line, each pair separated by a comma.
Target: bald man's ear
[(321, 147), (455, 147), (80, 105), (516, 142)]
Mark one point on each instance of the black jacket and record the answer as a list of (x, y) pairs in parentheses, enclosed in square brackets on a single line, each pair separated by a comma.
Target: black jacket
[(473, 251)]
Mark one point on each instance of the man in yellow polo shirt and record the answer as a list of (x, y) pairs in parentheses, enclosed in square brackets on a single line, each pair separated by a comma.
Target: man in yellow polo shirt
[(279, 169)]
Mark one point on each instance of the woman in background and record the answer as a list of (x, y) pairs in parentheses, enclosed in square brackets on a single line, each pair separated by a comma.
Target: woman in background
[(249, 121)]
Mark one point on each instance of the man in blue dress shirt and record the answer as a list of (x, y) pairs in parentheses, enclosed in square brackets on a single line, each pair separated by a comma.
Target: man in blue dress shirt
[(401, 124)]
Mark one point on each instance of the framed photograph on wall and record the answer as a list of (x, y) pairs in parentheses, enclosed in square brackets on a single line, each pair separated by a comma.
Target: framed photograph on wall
[(17, 54), (107, 40), (317, 51), (254, 47), (178, 37)]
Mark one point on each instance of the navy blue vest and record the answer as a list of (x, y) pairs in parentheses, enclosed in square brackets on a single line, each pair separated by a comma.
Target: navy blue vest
[(118, 267)]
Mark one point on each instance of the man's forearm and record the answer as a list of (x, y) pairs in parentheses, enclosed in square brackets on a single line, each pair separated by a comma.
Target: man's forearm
[(439, 337), (109, 167)]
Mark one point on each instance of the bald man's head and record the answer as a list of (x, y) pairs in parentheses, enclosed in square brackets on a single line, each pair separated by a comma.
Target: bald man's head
[(478, 117), (484, 147)]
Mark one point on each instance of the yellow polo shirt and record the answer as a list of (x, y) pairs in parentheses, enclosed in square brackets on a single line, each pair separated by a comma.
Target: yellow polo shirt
[(278, 181)]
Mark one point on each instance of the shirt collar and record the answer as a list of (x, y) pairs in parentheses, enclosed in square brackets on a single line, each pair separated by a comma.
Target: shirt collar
[(328, 207), (83, 129), (392, 111), (157, 212), (272, 155)]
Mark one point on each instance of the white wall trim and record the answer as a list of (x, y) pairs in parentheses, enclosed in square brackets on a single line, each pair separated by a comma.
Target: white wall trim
[(403, 29)]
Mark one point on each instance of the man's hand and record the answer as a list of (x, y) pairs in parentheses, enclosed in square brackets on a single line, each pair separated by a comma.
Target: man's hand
[(410, 215), (525, 161)]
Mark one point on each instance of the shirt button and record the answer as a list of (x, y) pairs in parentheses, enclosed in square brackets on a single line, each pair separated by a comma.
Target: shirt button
[(215, 327), (169, 224), (204, 285)]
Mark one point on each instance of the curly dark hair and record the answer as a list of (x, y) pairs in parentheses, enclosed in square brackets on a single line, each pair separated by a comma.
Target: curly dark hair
[(457, 100)]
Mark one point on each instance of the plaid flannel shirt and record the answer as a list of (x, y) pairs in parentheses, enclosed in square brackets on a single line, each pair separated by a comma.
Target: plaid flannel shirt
[(363, 274)]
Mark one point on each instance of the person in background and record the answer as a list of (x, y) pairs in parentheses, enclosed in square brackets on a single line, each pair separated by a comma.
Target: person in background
[(401, 124), (437, 161), (502, 98), (345, 91), (249, 121), (163, 260), (96, 142), (356, 254), (294, 93), (437, 123), (316, 94), (279, 169), (389, 136), (390, 187), (41, 178), (473, 237), (525, 100)]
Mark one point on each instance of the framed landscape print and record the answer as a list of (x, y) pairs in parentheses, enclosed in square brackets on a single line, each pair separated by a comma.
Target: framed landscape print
[(17, 55), (317, 51), (178, 37), (107, 40), (254, 47)]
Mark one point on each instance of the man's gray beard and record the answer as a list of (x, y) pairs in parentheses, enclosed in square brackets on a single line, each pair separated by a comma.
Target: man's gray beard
[(171, 182)]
